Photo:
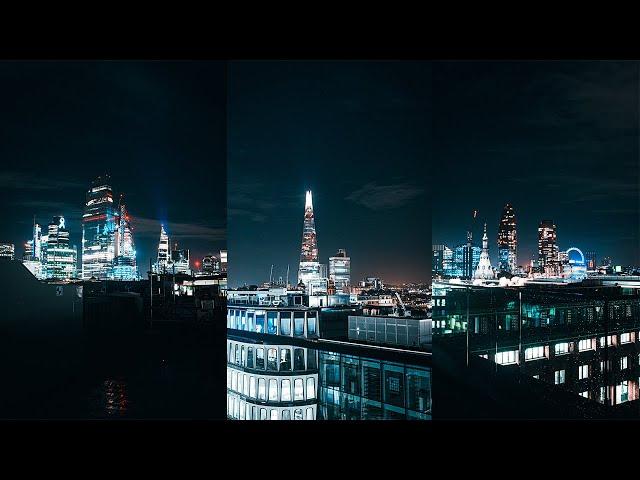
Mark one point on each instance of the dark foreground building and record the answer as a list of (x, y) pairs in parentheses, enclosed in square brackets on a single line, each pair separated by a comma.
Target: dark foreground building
[(574, 347)]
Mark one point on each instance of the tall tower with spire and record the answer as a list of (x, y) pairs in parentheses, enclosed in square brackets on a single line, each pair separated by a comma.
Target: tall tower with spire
[(484, 270), (309, 264), (164, 260), (125, 267)]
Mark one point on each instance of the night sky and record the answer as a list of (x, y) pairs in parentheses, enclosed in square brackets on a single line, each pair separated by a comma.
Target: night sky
[(358, 135), (559, 140), (158, 128)]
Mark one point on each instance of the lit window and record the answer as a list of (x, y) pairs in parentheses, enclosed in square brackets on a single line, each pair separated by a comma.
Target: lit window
[(252, 387), (286, 414), (561, 348), (533, 353), (309, 413), (228, 378), (298, 389), (262, 389), (260, 358), (234, 381), (286, 390), (622, 392), (585, 394), (285, 323), (285, 359), (263, 414), (624, 363), (245, 384), (537, 377), (586, 344), (583, 372), (274, 414), (506, 358), (311, 387), (273, 390), (272, 359), (625, 338), (559, 376)]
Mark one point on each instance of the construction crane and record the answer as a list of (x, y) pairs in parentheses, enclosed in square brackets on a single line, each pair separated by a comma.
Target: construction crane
[(400, 310)]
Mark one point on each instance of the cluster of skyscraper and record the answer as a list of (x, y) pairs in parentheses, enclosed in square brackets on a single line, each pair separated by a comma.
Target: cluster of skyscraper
[(468, 261), (50, 255), (171, 260), (311, 273), (108, 252)]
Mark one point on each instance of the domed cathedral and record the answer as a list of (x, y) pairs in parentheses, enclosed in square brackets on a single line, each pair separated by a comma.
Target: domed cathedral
[(484, 270)]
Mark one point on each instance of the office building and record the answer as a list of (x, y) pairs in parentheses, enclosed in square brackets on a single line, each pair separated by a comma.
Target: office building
[(59, 258), (507, 241), (340, 271), (180, 260), (547, 247), (98, 231), (125, 267)]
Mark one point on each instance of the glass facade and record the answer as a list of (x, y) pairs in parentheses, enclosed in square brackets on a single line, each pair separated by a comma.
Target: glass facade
[(585, 340), (361, 388), (98, 231)]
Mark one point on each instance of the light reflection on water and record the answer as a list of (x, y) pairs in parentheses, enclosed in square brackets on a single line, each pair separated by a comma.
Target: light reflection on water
[(110, 398)]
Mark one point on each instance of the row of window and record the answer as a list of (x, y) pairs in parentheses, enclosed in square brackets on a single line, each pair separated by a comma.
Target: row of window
[(278, 359), (272, 389), (563, 348), (241, 410), (296, 324)]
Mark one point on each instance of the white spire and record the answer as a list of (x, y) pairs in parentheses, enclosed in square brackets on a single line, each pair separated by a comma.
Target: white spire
[(484, 270), (308, 203)]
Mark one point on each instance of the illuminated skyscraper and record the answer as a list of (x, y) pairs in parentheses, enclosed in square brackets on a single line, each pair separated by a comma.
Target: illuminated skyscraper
[(98, 231), (125, 267), (484, 270), (59, 258), (547, 248), (507, 240), (340, 271), (309, 266), (180, 260), (442, 260), (163, 262)]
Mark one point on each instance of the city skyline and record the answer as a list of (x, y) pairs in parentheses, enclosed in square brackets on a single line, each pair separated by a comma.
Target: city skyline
[(557, 140), (354, 133), (158, 129)]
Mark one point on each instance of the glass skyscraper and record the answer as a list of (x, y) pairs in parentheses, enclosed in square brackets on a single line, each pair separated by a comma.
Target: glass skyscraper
[(340, 270), (309, 266), (507, 241), (98, 231)]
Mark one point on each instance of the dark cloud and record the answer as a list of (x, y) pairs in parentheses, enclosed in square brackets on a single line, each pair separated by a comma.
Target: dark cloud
[(384, 197)]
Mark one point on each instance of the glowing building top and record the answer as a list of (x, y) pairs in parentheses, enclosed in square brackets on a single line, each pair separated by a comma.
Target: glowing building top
[(484, 270), (309, 266), (507, 240), (163, 262)]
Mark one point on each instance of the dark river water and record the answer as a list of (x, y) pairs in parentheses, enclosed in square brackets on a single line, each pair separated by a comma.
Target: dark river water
[(166, 373)]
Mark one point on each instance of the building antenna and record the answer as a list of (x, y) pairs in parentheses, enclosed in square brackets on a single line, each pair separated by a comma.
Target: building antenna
[(271, 275), (287, 284)]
